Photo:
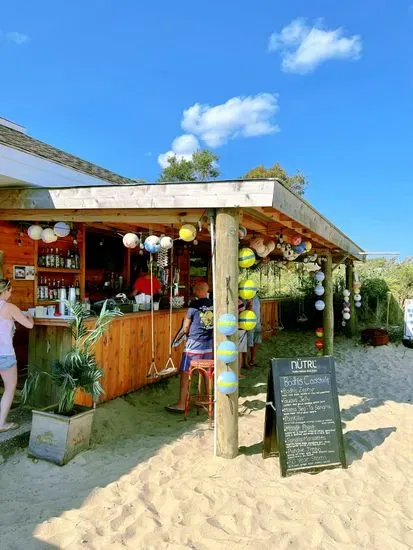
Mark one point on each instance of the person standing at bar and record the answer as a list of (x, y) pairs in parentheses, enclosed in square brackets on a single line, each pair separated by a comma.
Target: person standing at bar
[(142, 283), (9, 313)]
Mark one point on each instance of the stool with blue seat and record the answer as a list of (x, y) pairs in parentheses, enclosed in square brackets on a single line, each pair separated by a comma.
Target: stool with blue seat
[(204, 397)]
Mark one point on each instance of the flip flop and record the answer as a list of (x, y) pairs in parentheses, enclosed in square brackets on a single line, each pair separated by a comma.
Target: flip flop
[(174, 410), (11, 426), (253, 364)]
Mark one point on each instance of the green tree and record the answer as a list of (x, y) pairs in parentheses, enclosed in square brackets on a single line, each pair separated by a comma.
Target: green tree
[(296, 183), (201, 167)]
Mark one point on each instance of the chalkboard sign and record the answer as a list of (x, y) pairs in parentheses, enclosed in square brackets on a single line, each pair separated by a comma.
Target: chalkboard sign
[(302, 420)]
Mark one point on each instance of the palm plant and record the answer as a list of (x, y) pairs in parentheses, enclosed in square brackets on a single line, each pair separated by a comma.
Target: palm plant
[(79, 368)]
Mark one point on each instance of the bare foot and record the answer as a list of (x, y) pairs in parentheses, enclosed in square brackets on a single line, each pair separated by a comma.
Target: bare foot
[(8, 427)]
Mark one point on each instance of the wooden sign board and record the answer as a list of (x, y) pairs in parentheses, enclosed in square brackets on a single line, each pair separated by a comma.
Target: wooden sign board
[(302, 419)]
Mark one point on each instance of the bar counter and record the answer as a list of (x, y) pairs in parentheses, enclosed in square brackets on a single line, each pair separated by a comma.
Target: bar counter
[(124, 352)]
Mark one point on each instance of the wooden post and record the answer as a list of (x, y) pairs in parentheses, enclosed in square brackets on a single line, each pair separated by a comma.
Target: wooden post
[(1, 264), (226, 262), (352, 323), (328, 310)]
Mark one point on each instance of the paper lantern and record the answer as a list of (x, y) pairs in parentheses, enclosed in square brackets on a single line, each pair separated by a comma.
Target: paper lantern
[(166, 243), (308, 246), (247, 320), (358, 304), (319, 276), (296, 240), (242, 232), (35, 232), (130, 240), (319, 332), (152, 244), (320, 305), (227, 382), (319, 344), (227, 351), (61, 229), (247, 289), (357, 297), (346, 310), (346, 293), (187, 232), (227, 324), (299, 249), (319, 290), (48, 235), (246, 257), (346, 316)]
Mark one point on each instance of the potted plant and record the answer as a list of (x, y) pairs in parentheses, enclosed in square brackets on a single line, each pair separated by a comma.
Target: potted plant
[(61, 434)]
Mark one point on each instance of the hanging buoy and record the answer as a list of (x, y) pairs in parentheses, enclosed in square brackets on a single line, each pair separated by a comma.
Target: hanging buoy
[(166, 243), (247, 289), (61, 229), (247, 320), (227, 324), (227, 351), (320, 305), (152, 244), (319, 344), (130, 240), (246, 257), (187, 232), (35, 232), (227, 382), (319, 332)]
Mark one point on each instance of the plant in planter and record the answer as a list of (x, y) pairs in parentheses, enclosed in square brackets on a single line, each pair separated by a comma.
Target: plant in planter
[(60, 435)]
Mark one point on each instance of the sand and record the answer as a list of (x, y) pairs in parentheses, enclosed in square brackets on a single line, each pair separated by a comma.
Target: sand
[(151, 482)]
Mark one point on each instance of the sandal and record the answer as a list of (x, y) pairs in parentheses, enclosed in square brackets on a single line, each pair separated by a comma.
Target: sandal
[(9, 427), (253, 364), (174, 410)]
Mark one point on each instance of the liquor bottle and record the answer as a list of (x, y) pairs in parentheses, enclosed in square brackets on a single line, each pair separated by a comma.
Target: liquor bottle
[(54, 290), (47, 263), (52, 257), (57, 258), (77, 258), (68, 260), (77, 290), (40, 258), (39, 289)]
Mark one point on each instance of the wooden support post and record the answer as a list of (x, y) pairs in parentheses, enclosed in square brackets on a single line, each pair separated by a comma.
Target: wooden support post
[(328, 310), (1, 264), (226, 262), (352, 323)]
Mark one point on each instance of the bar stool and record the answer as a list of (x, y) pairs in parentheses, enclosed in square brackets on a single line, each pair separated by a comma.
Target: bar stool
[(202, 399)]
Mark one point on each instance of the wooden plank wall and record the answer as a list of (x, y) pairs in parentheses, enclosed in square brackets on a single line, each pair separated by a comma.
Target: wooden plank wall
[(125, 352), (269, 318)]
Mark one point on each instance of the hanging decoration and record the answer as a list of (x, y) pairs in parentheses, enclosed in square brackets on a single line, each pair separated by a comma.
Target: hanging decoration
[(247, 289), (320, 305), (48, 235), (227, 382), (166, 242), (61, 229), (35, 232), (130, 240), (227, 324), (242, 232), (162, 258), (227, 351), (292, 247), (319, 290), (187, 232), (247, 320), (246, 257), (346, 307), (356, 288), (152, 244)]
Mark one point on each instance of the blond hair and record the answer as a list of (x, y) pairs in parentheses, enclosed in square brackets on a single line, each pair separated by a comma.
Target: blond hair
[(4, 285)]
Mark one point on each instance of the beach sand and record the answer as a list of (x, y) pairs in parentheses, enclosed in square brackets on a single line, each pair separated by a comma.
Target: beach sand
[(150, 480)]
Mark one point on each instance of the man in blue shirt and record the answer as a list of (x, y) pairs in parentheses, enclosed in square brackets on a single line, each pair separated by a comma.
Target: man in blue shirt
[(199, 326)]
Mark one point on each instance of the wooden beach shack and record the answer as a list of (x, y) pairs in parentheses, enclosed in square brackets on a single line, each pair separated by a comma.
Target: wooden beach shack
[(40, 184)]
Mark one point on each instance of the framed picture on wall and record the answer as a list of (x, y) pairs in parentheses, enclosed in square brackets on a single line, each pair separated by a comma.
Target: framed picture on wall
[(23, 272)]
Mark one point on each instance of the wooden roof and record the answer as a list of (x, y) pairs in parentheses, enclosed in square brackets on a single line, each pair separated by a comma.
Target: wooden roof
[(267, 207)]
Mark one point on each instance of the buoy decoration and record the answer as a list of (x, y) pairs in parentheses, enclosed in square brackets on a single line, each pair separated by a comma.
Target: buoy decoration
[(227, 324), (187, 232), (48, 235), (130, 240), (227, 382), (242, 232), (35, 232), (246, 257), (247, 289), (320, 305), (227, 351), (61, 229), (346, 307), (319, 344), (166, 242), (319, 332), (152, 244), (247, 320)]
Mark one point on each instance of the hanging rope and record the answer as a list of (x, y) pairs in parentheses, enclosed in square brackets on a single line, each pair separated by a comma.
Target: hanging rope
[(169, 367), (153, 371)]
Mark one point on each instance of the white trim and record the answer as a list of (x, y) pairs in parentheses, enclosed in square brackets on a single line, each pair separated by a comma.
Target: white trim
[(38, 172)]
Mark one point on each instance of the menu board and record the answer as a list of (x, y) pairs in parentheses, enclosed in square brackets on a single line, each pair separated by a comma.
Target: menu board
[(302, 421)]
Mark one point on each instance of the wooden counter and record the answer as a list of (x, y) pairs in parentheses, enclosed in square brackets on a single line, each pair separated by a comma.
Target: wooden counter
[(124, 352)]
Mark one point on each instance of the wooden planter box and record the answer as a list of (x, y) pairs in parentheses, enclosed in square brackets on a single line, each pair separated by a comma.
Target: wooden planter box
[(375, 337), (59, 438)]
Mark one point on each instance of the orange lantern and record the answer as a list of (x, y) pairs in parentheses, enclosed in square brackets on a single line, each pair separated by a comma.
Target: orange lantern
[(319, 344), (319, 332)]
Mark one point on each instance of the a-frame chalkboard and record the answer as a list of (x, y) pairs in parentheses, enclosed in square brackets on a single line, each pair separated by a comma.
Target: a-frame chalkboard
[(302, 418)]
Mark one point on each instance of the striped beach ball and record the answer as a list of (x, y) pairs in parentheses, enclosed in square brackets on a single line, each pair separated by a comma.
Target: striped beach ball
[(242, 232), (227, 382), (152, 244), (227, 324), (187, 232), (247, 289), (246, 257), (227, 351), (247, 320)]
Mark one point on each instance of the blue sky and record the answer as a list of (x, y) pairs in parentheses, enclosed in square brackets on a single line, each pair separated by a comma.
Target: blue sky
[(329, 94)]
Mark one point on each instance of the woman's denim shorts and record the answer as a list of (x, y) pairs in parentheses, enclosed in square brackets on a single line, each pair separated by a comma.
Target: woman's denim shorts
[(7, 362)]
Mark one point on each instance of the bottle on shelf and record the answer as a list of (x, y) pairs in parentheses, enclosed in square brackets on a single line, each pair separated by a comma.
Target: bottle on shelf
[(52, 257), (77, 290), (68, 260), (57, 258), (47, 258)]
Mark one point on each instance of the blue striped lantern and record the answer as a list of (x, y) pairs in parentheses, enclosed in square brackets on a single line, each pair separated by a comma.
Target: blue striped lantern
[(227, 324), (227, 382), (227, 351)]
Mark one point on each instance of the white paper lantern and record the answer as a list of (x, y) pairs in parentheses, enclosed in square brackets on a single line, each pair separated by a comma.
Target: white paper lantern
[(319, 276), (35, 232), (166, 243), (48, 235), (346, 316), (357, 297), (61, 229), (320, 305), (346, 293), (130, 240), (346, 310), (358, 304), (319, 290)]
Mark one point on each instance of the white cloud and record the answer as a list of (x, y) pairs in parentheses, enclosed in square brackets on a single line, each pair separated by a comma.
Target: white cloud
[(182, 148), (238, 117), (17, 37), (303, 48)]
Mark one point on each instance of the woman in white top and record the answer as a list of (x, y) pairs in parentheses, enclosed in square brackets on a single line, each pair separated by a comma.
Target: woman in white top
[(9, 313)]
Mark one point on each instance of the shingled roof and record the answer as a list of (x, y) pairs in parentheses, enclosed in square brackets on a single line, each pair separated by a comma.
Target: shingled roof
[(18, 140)]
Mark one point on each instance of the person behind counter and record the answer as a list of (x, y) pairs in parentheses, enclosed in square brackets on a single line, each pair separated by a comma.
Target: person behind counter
[(9, 313), (198, 325), (142, 283)]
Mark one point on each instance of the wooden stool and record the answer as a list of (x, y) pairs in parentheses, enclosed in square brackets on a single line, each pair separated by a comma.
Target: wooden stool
[(205, 370)]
